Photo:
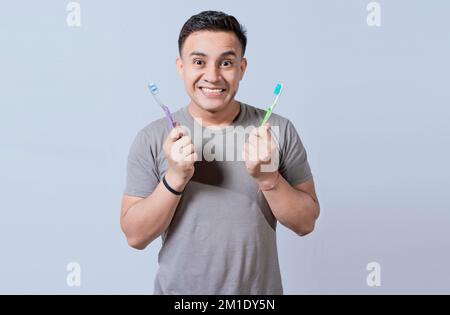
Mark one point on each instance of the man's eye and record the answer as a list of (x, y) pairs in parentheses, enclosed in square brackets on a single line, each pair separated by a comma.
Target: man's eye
[(226, 63), (198, 62)]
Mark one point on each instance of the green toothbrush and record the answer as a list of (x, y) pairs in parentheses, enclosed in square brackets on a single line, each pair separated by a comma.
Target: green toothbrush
[(269, 111)]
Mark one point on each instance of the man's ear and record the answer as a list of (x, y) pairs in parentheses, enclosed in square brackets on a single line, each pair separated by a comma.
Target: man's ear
[(243, 67), (179, 64)]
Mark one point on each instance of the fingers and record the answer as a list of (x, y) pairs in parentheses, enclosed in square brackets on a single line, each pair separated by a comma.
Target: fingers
[(183, 149), (179, 135), (259, 145), (188, 149), (260, 137), (251, 152), (177, 132), (184, 141), (262, 131), (191, 157)]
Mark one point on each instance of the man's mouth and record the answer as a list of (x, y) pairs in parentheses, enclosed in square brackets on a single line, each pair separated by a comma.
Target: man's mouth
[(211, 92)]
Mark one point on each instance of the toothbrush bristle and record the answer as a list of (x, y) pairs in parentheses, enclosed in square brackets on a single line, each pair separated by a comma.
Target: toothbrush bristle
[(153, 88), (278, 89)]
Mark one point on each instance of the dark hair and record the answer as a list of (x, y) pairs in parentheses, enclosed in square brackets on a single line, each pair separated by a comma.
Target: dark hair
[(212, 21)]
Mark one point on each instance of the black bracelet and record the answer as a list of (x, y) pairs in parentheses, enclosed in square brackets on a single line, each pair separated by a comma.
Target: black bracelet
[(173, 191)]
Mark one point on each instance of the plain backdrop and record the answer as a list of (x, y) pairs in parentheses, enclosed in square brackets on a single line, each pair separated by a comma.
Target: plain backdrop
[(371, 104)]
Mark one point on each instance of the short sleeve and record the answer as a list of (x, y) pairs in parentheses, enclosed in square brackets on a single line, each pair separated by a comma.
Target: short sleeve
[(294, 166), (142, 175)]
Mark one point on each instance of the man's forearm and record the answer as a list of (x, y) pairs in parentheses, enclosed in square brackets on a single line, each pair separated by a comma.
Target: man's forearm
[(293, 208), (150, 217)]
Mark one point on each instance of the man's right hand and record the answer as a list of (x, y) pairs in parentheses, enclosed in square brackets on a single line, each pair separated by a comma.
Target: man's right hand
[(181, 156)]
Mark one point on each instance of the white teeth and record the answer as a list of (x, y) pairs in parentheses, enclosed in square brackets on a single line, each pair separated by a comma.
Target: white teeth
[(212, 90)]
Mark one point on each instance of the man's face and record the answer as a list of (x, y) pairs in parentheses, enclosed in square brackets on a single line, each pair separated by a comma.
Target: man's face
[(211, 66)]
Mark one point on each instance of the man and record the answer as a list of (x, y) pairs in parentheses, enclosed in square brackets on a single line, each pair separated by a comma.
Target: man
[(217, 217)]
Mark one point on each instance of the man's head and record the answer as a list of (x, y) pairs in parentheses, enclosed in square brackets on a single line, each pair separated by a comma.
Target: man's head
[(211, 63)]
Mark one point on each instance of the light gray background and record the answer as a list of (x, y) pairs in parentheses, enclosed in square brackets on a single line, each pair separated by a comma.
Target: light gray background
[(371, 106)]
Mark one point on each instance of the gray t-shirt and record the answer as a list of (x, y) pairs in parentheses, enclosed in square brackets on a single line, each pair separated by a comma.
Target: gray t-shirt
[(222, 238)]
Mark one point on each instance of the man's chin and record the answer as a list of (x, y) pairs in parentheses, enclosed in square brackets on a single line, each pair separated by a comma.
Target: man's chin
[(212, 107)]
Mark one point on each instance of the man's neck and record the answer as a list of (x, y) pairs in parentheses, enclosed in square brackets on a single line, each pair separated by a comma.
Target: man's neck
[(223, 118)]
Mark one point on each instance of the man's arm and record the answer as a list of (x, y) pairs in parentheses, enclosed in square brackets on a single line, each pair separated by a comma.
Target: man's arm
[(296, 207), (143, 220)]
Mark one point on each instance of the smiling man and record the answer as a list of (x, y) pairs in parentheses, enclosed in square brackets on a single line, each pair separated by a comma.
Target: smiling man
[(217, 218)]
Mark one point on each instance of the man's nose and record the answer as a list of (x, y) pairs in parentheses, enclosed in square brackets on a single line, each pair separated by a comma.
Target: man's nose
[(212, 74)]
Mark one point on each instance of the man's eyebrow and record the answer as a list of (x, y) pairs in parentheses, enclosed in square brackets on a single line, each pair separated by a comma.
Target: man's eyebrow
[(228, 53), (196, 53), (200, 54)]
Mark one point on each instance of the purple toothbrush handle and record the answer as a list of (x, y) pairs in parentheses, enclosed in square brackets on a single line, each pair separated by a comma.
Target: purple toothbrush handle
[(169, 116)]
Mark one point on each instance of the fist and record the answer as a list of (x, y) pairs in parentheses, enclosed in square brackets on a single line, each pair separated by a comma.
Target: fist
[(261, 153), (181, 156)]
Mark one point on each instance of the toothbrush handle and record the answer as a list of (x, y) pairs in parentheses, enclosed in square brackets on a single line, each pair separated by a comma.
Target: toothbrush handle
[(267, 116), (169, 116)]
